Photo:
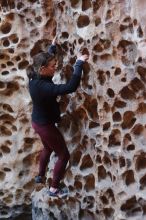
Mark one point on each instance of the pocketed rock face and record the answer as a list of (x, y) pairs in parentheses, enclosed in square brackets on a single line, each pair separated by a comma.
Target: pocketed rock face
[(103, 122)]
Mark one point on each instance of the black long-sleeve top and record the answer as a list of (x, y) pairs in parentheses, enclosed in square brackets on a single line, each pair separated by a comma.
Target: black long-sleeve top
[(44, 93)]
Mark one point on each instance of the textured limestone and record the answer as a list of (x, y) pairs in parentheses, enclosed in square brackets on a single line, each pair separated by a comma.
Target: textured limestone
[(104, 122)]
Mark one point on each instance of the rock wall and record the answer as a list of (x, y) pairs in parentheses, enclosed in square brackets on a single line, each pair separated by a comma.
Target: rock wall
[(103, 122)]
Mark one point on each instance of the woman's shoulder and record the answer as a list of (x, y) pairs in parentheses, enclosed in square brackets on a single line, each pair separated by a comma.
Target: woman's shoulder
[(39, 83)]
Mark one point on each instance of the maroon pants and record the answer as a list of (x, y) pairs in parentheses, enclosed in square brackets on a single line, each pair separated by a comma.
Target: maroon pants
[(52, 140)]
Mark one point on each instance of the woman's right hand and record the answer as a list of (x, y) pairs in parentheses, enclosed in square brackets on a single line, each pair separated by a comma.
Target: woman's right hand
[(84, 57)]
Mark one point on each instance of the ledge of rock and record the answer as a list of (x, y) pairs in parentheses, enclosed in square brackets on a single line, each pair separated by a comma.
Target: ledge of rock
[(46, 207)]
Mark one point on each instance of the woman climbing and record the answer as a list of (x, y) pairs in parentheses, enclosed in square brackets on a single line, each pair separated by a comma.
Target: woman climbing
[(46, 113)]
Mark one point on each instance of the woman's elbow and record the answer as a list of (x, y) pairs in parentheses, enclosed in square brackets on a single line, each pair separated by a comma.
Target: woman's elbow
[(73, 89)]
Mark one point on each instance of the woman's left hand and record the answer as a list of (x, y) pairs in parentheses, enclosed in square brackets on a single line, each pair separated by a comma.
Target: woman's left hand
[(54, 41), (84, 57)]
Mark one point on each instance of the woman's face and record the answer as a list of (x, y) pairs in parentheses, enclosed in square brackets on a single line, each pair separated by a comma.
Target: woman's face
[(49, 69)]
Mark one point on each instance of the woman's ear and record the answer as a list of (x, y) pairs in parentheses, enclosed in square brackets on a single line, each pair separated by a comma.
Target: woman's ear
[(42, 69)]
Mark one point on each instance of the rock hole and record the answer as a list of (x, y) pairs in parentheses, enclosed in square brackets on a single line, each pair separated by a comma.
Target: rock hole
[(86, 162), (89, 182), (128, 176), (127, 93), (5, 149), (2, 176), (106, 126), (110, 93), (101, 173), (83, 21), (65, 35), (86, 4), (140, 162), (6, 43), (117, 116), (74, 3), (115, 138), (6, 28), (76, 156), (130, 147), (128, 119), (137, 129)]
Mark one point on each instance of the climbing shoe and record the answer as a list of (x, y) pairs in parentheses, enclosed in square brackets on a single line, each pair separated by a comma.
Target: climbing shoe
[(40, 179), (60, 193)]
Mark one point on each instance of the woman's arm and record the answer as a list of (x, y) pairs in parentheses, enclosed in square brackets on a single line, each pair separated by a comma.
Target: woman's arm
[(52, 47), (50, 89)]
